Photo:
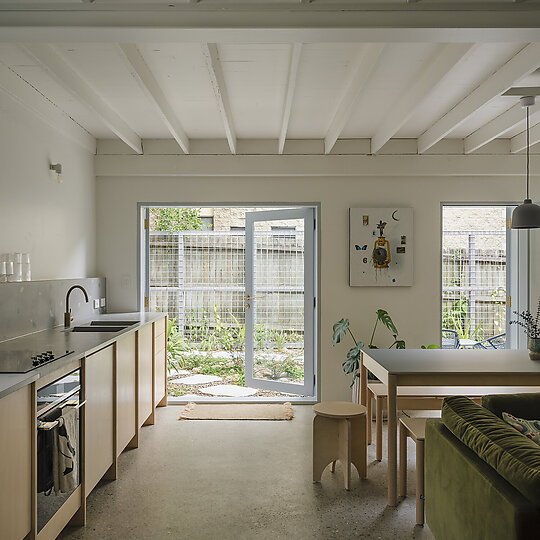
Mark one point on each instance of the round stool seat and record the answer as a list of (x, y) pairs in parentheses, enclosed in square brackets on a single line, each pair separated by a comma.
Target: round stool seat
[(339, 409)]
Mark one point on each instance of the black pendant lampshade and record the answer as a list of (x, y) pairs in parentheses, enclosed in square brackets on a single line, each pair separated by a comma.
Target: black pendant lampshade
[(526, 215)]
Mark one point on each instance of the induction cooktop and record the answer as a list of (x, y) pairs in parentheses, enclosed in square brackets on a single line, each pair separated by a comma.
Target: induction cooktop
[(23, 361)]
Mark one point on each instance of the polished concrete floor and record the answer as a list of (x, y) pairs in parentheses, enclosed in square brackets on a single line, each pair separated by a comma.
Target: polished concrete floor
[(240, 480)]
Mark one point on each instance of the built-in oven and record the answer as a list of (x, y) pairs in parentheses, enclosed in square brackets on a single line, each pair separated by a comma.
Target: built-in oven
[(58, 444)]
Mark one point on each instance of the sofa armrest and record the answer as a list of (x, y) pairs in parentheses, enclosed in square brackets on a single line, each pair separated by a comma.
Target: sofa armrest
[(525, 406), (460, 487)]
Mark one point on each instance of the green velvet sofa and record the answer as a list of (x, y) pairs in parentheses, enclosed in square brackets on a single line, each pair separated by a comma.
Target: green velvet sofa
[(482, 477)]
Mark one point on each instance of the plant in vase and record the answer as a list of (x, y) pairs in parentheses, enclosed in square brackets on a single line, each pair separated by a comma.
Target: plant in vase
[(530, 325), (351, 365)]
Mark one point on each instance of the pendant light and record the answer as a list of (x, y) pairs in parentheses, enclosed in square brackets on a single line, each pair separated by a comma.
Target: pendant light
[(526, 215)]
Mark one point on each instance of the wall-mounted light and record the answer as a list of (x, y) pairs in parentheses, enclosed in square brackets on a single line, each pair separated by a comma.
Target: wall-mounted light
[(57, 168)]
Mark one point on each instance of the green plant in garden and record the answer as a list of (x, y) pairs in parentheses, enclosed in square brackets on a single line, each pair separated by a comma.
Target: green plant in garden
[(210, 334), (176, 219), (457, 311), (455, 318), (278, 368), (176, 345)]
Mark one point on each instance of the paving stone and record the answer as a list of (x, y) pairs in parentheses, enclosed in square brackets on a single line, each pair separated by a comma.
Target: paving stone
[(197, 379), (229, 390), (175, 372), (190, 397), (222, 354)]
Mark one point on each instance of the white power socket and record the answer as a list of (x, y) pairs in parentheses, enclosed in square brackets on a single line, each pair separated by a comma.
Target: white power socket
[(96, 303)]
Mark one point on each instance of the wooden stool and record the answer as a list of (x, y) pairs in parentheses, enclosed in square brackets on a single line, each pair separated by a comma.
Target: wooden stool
[(339, 433), (415, 428)]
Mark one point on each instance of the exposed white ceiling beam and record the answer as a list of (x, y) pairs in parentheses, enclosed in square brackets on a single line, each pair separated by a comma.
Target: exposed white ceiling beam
[(334, 22), (366, 61), (316, 166), (432, 75), (64, 75), (523, 63), (215, 72), (519, 142), (499, 126), (25, 95), (141, 73), (296, 50)]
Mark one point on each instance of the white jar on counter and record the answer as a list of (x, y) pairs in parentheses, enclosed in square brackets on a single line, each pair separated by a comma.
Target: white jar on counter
[(26, 272)]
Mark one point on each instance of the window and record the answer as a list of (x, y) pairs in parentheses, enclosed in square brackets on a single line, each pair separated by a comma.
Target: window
[(482, 277)]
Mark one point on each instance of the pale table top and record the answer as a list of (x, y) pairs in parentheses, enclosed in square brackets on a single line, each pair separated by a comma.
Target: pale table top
[(453, 361), (339, 409)]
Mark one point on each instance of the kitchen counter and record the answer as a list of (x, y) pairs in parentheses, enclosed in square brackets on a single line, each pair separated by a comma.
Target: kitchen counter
[(59, 338), (10, 382)]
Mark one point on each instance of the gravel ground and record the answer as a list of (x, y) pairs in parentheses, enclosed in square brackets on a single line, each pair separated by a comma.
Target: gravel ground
[(177, 390)]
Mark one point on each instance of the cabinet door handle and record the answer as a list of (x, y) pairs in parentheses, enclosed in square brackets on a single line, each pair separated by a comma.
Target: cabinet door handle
[(47, 426)]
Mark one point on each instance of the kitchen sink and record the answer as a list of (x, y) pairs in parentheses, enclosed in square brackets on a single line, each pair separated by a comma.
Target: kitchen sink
[(106, 328), (113, 323)]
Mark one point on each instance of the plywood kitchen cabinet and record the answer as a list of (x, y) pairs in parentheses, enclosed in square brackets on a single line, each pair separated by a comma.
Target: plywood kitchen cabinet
[(160, 364), (145, 376), (99, 416), (126, 391), (121, 385), (16, 442)]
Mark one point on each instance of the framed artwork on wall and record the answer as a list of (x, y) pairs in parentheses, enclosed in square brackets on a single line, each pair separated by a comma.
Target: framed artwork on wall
[(380, 247)]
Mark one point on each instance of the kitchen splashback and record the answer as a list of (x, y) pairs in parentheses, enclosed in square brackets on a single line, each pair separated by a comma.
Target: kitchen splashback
[(31, 306)]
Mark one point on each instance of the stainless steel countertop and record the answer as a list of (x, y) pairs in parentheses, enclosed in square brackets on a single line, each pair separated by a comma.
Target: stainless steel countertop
[(10, 382), (81, 343)]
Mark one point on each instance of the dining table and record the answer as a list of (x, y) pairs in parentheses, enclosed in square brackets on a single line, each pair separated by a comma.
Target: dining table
[(440, 367)]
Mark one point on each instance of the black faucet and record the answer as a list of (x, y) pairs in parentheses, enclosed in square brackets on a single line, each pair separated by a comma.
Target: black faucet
[(67, 315)]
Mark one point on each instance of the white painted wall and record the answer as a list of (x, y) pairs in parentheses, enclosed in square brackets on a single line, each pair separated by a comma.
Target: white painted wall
[(53, 222), (415, 310)]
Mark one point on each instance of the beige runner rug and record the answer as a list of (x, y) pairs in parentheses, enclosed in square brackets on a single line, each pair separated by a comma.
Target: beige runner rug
[(237, 411)]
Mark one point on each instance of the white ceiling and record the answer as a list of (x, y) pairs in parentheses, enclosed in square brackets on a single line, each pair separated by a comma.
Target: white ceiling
[(263, 91)]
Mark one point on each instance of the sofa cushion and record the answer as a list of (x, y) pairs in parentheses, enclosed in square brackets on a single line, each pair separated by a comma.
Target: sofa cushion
[(529, 428), (515, 457)]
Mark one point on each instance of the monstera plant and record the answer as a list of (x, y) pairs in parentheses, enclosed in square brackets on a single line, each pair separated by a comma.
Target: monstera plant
[(351, 365)]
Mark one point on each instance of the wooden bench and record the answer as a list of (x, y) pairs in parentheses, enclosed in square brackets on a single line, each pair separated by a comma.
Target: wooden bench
[(423, 398), (415, 428)]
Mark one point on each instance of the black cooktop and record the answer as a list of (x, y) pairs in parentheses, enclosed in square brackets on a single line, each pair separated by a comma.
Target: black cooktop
[(23, 361)]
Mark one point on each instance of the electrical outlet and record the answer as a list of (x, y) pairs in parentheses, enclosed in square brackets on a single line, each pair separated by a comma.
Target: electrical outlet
[(102, 302), (96, 303)]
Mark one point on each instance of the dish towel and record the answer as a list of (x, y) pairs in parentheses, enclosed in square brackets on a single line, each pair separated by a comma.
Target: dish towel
[(65, 458)]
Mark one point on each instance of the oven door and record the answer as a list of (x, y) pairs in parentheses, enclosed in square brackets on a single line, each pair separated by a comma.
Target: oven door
[(58, 444)]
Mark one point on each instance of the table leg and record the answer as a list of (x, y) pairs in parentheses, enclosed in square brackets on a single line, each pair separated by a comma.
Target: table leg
[(369, 414), (420, 482), (392, 441), (363, 381), (402, 460), (379, 405)]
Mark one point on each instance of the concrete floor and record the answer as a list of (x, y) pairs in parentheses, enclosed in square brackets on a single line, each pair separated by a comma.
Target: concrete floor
[(240, 480)]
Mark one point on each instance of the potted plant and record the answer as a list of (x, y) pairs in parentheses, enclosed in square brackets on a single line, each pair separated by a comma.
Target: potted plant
[(530, 325), (351, 365)]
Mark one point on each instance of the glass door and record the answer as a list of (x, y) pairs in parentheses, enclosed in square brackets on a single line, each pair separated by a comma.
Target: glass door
[(280, 300), (517, 279)]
